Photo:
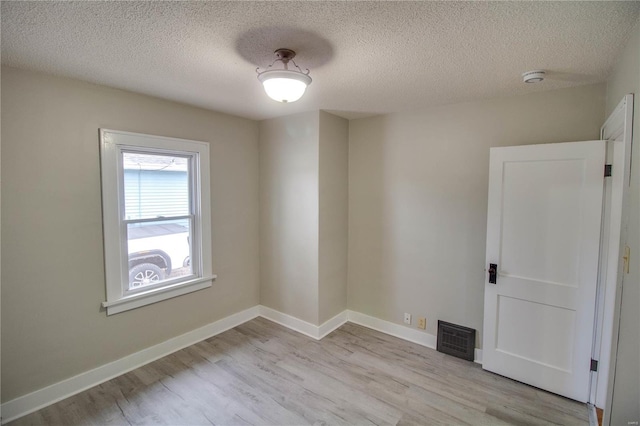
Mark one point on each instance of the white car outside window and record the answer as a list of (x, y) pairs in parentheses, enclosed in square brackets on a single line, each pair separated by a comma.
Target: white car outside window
[(157, 252)]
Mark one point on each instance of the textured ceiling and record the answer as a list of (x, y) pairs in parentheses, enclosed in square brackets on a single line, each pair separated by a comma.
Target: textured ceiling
[(365, 57)]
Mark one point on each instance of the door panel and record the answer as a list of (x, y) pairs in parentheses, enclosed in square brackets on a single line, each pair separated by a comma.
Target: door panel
[(553, 321), (543, 231), (533, 208)]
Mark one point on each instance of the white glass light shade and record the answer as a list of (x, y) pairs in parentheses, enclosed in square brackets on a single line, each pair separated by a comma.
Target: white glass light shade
[(284, 85)]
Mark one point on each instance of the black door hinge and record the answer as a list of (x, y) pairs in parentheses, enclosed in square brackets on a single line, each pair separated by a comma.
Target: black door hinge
[(594, 365), (607, 170)]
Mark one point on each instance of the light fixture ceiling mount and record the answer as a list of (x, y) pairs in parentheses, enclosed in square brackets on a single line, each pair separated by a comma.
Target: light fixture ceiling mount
[(284, 85), (285, 55)]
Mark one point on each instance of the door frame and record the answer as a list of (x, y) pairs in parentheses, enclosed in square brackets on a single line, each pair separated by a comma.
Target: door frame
[(613, 242)]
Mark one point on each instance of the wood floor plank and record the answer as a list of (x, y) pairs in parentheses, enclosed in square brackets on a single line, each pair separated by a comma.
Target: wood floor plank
[(261, 373)]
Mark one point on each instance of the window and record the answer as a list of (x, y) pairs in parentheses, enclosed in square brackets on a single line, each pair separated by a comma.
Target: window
[(156, 214)]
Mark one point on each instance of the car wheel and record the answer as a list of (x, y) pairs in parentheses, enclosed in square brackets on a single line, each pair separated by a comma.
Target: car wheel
[(145, 274)]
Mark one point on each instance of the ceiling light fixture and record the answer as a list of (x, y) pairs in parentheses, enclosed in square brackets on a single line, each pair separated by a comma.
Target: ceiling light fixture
[(535, 76), (284, 85)]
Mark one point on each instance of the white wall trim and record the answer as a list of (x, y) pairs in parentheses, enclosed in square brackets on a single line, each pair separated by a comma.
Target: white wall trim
[(396, 330), (306, 328), (400, 331), (332, 324), (34, 401), (618, 127), (478, 356), (289, 321), (41, 398)]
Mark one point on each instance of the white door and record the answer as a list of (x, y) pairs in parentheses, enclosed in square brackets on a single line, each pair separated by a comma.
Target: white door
[(543, 233)]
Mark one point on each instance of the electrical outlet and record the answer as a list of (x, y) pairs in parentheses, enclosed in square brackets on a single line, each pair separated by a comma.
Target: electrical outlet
[(407, 318), (422, 323)]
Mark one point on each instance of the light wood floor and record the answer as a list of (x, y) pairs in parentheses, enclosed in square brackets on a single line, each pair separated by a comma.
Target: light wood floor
[(263, 374)]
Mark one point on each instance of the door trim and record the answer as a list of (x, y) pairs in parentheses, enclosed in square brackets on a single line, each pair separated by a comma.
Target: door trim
[(611, 276)]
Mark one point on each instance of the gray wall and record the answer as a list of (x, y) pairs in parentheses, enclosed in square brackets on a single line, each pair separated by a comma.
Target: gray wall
[(303, 215), (289, 215), (418, 198), (626, 391), (52, 263), (333, 209)]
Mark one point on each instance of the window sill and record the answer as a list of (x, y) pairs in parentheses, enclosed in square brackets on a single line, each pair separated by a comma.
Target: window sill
[(157, 295)]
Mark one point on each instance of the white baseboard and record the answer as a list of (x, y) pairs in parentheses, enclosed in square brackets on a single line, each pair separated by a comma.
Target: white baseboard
[(34, 401), (400, 331), (306, 328), (396, 330), (289, 321), (41, 398), (478, 356), (318, 332), (332, 324)]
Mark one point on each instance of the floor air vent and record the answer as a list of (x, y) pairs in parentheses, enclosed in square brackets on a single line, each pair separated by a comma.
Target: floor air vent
[(456, 340)]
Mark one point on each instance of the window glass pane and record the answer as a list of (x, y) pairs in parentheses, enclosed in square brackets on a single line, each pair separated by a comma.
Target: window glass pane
[(155, 185), (158, 251)]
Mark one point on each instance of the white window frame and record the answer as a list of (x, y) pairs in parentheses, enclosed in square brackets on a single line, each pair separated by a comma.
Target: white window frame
[(112, 144)]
